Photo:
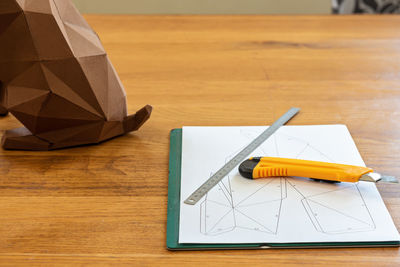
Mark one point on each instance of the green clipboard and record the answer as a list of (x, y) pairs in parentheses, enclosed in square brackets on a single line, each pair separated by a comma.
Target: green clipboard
[(174, 196)]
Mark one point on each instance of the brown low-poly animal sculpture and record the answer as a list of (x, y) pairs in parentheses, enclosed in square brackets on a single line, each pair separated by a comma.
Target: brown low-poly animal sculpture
[(57, 80)]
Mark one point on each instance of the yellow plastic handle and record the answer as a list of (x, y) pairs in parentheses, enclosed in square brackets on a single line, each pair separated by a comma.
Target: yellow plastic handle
[(272, 167)]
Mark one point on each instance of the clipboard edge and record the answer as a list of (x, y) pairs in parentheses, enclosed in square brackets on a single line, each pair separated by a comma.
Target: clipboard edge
[(173, 214)]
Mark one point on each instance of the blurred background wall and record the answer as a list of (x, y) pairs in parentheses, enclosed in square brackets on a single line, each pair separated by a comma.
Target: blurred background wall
[(205, 6)]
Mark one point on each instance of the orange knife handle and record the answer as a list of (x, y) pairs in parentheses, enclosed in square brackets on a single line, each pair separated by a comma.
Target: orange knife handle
[(272, 167)]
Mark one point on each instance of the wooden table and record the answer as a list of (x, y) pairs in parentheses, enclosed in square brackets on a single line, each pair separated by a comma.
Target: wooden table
[(108, 203)]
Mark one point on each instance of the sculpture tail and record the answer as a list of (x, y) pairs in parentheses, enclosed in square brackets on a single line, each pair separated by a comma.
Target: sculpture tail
[(134, 122)]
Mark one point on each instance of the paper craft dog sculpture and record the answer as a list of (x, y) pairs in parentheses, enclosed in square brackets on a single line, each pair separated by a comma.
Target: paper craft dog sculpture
[(57, 80)]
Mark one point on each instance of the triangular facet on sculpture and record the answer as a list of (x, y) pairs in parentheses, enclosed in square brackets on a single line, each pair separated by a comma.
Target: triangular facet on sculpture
[(84, 42), (25, 78), (96, 72), (57, 80), (31, 107), (69, 14), (16, 41), (29, 119), (38, 6), (59, 21), (70, 72), (20, 3), (49, 40), (115, 87), (6, 20), (48, 125), (87, 134), (110, 130), (59, 88), (8, 74), (69, 111), (10, 6), (21, 138), (67, 134), (21, 95), (27, 112)]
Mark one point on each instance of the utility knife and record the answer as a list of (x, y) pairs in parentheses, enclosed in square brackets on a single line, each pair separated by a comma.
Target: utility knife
[(264, 167)]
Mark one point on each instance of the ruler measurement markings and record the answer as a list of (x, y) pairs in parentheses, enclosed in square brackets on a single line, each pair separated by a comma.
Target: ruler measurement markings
[(230, 165)]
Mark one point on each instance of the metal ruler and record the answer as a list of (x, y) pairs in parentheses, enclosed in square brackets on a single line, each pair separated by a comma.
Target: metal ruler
[(242, 155)]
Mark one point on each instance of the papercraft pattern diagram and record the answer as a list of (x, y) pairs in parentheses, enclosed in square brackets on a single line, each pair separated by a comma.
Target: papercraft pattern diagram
[(57, 80), (222, 212), (226, 208)]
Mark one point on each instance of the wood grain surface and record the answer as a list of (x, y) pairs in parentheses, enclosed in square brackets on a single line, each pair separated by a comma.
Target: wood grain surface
[(107, 204)]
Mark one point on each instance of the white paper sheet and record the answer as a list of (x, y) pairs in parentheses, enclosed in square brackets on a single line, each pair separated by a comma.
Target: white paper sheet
[(278, 210)]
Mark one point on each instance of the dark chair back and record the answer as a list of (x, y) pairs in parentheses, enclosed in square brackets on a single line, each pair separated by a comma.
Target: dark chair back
[(365, 6)]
